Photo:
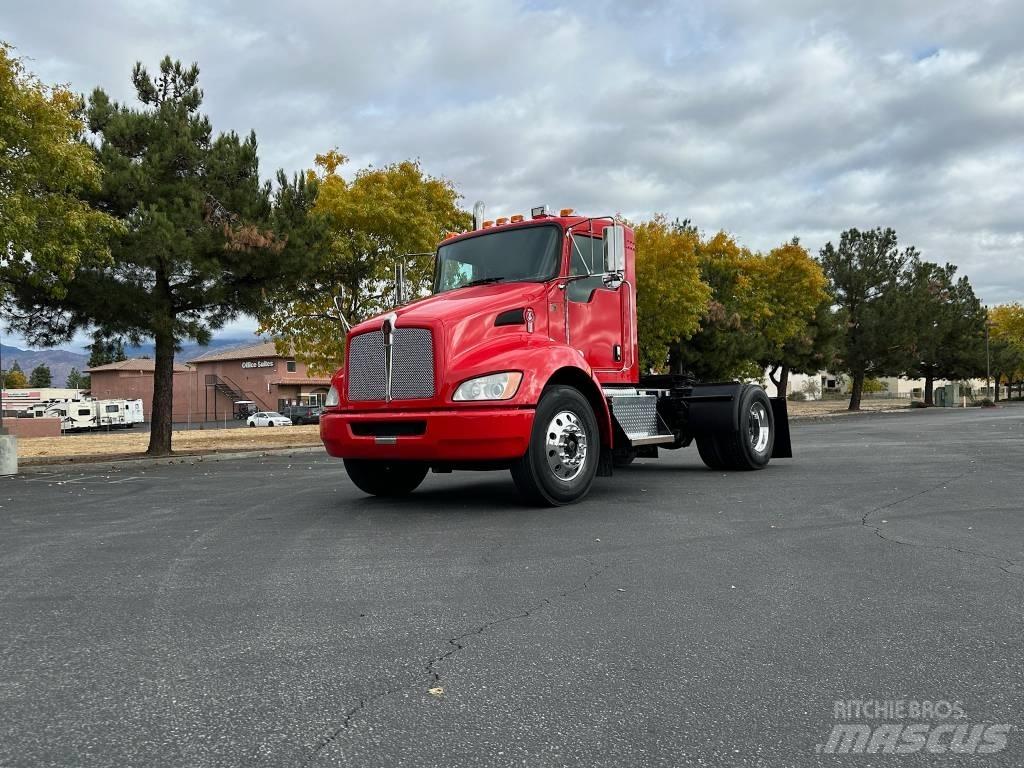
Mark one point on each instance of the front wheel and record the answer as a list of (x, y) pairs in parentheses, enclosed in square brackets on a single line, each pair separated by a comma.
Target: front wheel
[(386, 478), (561, 462)]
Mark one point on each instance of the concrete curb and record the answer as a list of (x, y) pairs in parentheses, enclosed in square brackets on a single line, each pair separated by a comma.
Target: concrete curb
[(186, 458)]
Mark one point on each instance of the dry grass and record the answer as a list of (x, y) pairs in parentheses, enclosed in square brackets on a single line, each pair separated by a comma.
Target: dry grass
[(132, 444), (808, 408)]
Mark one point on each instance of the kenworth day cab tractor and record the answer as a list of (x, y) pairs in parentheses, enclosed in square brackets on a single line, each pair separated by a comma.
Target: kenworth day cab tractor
[(525, 358)]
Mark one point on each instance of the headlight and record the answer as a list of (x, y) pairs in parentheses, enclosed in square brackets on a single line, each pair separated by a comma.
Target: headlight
[(494, 386), (332, 398)]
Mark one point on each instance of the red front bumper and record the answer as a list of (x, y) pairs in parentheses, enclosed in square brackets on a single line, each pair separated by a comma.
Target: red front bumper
[(491, 434)]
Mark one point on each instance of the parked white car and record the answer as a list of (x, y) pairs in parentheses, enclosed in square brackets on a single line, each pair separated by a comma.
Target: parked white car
[(269, 419)]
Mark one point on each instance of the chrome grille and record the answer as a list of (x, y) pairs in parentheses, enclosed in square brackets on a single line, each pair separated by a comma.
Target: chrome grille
[(412, 358)]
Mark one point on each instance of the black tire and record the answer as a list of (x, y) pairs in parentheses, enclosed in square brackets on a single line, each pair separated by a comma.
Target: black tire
[(707, 447), (534, 476), (386, 478), (738, 450), (253, 425)]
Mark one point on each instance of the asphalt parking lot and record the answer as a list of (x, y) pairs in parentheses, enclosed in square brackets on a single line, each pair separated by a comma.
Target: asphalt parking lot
[(265, 612)]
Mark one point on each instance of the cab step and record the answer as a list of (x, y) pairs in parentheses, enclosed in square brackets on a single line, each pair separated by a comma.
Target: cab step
[(636, 414)]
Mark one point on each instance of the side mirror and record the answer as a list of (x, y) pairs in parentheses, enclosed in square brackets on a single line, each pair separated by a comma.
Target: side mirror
[(614, 248)]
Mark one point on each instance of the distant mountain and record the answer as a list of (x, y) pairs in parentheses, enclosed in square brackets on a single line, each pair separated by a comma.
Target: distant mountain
[(189, 351), (61, 361)]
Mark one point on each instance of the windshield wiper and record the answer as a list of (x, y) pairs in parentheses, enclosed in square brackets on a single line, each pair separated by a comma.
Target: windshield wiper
[(483, 281)]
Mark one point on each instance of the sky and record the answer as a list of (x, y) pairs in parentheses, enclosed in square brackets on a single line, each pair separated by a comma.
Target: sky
[(767, 120)]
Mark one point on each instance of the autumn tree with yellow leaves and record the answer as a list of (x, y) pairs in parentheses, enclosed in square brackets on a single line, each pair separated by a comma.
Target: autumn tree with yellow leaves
[(671, 296), (371, 221), (47, 228), (1006, 345), (794, 320)]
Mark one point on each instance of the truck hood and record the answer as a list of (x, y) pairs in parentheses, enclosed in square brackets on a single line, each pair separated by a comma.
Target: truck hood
[(455, 307)]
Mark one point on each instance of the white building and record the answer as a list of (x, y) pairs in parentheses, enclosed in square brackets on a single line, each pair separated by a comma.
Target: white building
[(814, 386)]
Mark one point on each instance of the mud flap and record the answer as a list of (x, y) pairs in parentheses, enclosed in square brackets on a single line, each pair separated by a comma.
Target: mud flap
[(783, 448)]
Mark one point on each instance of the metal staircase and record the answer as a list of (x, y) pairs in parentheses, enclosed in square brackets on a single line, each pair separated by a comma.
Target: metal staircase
[(227, 389), (221, 386)]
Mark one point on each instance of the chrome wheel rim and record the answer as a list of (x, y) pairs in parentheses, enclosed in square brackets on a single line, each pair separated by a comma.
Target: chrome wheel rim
[(565, 445), (759, 428)]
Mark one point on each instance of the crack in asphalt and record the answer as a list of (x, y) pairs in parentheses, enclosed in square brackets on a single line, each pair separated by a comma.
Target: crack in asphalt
[(542, 603), (1005, 563), (456, 646)]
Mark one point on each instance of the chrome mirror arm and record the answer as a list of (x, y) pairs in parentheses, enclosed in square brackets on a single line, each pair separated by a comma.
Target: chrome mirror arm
[(345, 325)]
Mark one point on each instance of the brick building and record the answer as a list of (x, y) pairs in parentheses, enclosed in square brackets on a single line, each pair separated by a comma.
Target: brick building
[(258, 373), (133, 378), (207, 387)]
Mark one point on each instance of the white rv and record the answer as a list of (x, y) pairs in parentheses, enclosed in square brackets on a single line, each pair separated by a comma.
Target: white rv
[(119, 413), (78, 415), (74, 415)]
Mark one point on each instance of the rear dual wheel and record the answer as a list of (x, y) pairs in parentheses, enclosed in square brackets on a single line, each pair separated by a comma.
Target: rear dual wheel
[(561, 462), (751, 446)]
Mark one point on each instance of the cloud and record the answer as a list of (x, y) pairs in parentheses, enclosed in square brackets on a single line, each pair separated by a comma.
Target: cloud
[(767, 120)]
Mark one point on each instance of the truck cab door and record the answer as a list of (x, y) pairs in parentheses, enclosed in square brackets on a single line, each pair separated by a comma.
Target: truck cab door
[(594, 308)]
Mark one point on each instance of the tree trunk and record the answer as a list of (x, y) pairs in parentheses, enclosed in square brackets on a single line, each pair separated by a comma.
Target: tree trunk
[(783, 383), (995, 389), (163, 395), (857, 391), (929, 390), (675, 363)]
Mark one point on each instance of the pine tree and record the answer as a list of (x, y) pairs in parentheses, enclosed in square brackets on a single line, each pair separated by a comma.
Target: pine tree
[(104, 351), (77, 380), (947, 323), (864, 274), (40, 377), (200, 243)]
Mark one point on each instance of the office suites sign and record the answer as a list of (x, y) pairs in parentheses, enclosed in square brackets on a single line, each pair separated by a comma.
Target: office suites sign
[(249, 364)]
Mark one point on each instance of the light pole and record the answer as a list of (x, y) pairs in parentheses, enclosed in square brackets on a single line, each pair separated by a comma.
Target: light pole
[(988, 356)]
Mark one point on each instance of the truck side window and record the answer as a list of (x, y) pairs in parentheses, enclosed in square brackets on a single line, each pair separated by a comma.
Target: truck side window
[(587, 258)]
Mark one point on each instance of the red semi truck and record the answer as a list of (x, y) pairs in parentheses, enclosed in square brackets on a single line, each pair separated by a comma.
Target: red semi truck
[(525, 358)]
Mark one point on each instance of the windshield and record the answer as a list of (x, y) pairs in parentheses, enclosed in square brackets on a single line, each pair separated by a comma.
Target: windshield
[(529, 254)]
